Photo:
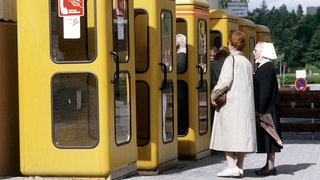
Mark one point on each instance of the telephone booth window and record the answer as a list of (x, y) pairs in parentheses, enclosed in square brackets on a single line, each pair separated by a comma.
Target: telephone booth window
[(251, 48), (182, 28), (120, 27), (203, 108), (166, 39), (143, 113), (202, 44), (122, 108), (141, 33), (74, 110), (215, 39), (72, 31), (167, 113)]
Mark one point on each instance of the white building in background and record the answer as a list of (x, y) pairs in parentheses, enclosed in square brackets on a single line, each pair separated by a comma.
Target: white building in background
[(312, 10), (213, 4), (235, 7)]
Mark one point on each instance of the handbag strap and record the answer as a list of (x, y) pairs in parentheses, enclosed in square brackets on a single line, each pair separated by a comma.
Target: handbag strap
[(232, 67)]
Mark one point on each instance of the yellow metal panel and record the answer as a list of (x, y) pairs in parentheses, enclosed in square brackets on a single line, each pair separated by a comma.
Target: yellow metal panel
[(157, 153), (38, 154), (263, 33), (248, 28), (223, 22)]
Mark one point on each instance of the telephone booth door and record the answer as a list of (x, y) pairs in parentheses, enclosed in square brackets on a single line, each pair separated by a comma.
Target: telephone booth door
[(156, 85), (248, 28), (192, 18), (76, 88), (221, 25)]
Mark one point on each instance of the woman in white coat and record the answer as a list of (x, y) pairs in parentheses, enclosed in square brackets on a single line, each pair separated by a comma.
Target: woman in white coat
[(234, 127)]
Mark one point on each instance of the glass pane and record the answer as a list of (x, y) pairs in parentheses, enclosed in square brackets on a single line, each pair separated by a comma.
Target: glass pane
[(141, 34), (74, 106), (183, 110), (203, 109), (166, 39), (167, 112), (251, 48), (202, 46), (143, 113), (215, 39), (121, 29), (122, 108), (182, 28), (72, 36)]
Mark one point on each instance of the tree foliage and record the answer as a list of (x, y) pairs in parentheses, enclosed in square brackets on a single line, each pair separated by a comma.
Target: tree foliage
[(296, 36)]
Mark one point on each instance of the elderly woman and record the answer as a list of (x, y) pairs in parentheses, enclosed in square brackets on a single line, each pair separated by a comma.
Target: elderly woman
[(266, 101), (234, 127)]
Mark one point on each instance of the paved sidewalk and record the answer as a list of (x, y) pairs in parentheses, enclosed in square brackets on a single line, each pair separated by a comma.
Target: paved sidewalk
[(299, 160)]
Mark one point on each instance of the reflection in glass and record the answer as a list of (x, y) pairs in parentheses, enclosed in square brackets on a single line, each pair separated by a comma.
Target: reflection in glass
[(121, 29), (203, 109), (182, 28), (202, 45), (73, 38), (122, 108), (74, 110), (167, 113), (166, 39), (215, 39)]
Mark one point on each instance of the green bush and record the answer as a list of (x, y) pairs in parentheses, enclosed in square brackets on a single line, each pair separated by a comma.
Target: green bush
[(290, 78)]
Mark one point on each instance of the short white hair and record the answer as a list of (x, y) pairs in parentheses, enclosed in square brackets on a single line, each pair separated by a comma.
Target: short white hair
[(181, 39)]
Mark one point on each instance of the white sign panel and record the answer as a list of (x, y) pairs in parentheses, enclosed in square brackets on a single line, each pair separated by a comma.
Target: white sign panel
[(239, 9), (301, 74), (71, 27)]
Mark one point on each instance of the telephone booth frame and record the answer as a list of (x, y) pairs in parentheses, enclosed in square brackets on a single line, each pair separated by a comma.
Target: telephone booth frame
[(221, 25), (194, 129), (76, 88), (156, 85), (249, 29)]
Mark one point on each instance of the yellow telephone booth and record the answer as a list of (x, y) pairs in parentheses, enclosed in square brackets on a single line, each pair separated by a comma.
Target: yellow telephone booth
[(248, 28), (221, 25), (192, 18), (263, 33), (76, 88), (155, 85)]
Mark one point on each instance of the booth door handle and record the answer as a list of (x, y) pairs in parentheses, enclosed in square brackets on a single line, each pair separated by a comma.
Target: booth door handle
[(164, 82), (201, 77), (116, 59)]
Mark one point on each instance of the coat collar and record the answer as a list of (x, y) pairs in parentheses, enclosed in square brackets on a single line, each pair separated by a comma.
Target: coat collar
[(237, 53)]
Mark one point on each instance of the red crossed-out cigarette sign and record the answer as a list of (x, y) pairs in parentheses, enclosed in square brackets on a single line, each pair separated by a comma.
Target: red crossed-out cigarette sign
[(120, 8), (70, 8)]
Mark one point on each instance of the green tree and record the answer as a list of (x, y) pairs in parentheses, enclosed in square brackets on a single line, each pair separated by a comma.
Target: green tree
[(312, 56)]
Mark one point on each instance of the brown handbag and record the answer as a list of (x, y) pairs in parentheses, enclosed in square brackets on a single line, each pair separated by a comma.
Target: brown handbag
[(221, 100)]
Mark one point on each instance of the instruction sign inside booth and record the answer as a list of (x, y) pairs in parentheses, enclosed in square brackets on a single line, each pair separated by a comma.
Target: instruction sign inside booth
[(70, 8)]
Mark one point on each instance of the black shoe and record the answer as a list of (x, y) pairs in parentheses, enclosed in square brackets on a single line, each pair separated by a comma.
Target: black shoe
[(260, 170), (265, 172)]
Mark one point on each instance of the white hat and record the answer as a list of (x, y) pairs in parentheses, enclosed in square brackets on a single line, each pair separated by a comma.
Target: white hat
[(268, 51)]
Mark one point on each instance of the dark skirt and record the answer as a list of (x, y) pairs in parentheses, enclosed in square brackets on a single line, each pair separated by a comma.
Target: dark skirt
[(265, 143)]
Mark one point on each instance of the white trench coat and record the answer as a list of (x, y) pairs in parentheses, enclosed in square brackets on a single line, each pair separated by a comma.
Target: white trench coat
[(234, 127)]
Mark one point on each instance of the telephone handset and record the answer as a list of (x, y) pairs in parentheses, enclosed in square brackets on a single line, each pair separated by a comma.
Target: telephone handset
[(63, 9)]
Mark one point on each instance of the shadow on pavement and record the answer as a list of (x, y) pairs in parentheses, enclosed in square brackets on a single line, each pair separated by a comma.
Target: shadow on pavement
[(289, 169)]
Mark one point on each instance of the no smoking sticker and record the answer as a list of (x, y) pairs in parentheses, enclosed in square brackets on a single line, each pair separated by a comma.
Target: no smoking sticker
[(71, 8)]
